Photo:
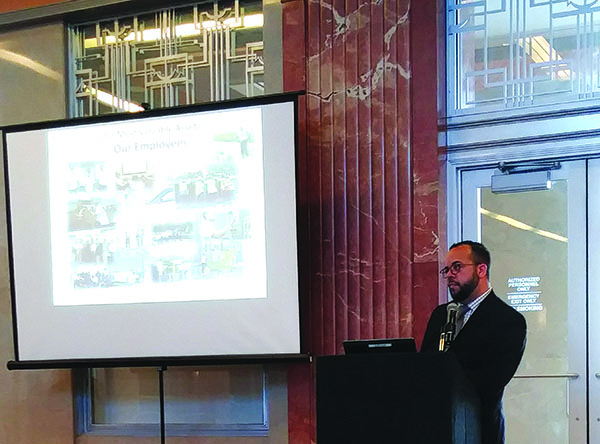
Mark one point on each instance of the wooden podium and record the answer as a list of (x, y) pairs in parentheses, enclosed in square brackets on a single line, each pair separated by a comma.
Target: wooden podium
[(400, 398)]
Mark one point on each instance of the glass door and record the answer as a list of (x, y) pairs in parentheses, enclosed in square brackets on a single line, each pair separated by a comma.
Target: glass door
[(594, 299), (537, 241)]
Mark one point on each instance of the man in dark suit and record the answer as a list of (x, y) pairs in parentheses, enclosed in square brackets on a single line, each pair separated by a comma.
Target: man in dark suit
[(490, 338)]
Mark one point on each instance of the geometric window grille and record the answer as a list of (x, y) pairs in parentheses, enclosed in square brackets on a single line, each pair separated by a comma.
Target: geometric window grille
[(506, 54), (179, 56)]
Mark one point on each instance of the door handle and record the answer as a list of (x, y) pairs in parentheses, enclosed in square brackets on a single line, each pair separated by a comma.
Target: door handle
[(598, 375), (552, 375)]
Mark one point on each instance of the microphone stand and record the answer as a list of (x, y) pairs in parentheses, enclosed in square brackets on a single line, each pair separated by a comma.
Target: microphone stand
[(161, 395)]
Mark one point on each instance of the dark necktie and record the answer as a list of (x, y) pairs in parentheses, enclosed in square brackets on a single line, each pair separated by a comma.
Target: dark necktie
[(460, 318)]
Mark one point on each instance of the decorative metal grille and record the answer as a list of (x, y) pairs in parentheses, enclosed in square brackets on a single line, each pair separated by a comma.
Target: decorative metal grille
[(515, 53), (171, 57)]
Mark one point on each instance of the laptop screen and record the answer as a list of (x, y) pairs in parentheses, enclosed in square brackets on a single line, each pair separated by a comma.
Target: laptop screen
[(394, 345)]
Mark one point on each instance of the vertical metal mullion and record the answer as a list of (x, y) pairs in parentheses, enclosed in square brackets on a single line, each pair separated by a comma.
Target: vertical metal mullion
[(525, 73), (511, 52), (485, 44), (124, 90), (96, 103), (223, 61), (168, 68), (226, 56), (118, 75), (578, 56), (246, 73), (593, 60), (211, 64), (590, 52), (517, 59), (453, 71), (111, 74), (551, 41), (187, 81), (217, 64), (128, 72), (462, 86), (205, 38), (585, 45)]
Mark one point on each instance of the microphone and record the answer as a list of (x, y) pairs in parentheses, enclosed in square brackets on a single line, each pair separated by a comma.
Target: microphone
[(449, 329)]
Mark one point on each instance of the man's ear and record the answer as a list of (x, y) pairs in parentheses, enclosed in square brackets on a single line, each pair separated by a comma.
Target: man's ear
[(482, 270)]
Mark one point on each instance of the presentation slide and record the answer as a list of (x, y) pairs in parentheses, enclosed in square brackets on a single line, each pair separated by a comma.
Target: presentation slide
[(156, 236), (158, 211)]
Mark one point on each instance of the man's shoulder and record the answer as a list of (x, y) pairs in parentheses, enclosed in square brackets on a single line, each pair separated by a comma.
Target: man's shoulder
[(500, 309), (499, 304), (437, 318), (440, 310)]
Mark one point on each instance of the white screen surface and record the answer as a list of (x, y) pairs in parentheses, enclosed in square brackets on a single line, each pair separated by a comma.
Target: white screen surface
[(156, 237)]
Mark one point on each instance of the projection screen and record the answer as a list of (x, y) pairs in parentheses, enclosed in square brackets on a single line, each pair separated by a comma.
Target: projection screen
[(167, 234)]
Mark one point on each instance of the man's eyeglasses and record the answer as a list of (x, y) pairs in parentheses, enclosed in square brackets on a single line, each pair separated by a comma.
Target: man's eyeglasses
[(453, 268)]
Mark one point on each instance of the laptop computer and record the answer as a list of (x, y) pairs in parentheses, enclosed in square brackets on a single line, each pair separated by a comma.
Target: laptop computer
[(394, 345)]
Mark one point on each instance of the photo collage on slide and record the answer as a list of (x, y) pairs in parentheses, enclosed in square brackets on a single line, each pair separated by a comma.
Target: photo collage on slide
[(163, 212)]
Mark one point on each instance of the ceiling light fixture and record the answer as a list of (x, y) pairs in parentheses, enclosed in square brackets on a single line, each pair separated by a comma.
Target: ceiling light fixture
[(183, 30), (109, 99)]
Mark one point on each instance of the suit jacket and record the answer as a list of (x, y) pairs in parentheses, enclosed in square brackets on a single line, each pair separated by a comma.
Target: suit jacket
[(489, 348)]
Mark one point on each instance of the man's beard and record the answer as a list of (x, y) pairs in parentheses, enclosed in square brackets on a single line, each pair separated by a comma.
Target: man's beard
[(465, 290)]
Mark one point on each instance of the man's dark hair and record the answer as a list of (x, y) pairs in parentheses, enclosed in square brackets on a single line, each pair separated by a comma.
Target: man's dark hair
[(479, 253)]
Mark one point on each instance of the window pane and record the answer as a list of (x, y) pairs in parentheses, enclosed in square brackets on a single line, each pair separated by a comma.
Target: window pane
[(125, 396), (523, 52), (232, 395), (211, 396)]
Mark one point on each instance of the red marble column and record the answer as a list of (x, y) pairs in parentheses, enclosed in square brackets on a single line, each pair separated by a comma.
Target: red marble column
[(359, 186), (369, 175)]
